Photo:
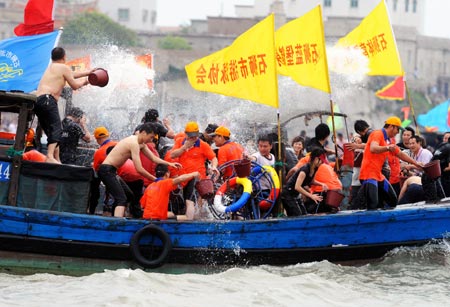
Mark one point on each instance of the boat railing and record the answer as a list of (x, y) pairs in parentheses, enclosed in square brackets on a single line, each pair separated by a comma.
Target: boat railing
[(21, 104), (37, 185)]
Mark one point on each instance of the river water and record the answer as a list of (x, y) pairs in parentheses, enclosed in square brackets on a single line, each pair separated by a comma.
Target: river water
[(404, 277)]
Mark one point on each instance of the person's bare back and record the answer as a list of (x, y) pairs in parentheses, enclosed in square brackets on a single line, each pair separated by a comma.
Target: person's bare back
[(123, 151), (53, 80), (55, 77)]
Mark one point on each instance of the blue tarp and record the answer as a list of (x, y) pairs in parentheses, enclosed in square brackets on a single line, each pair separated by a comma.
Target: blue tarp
[(436, 117), (24, 59)]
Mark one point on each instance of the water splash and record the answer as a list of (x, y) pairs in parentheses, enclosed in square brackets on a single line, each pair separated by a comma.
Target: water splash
[(350, 62), (121, 104), (118, 105)]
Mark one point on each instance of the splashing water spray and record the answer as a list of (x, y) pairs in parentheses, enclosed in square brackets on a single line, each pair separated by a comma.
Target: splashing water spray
[(121, 104)]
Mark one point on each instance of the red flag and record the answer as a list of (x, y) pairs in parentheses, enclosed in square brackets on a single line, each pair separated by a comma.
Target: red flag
[(80, 64), (146, 60), (393, 91), (38, 18)]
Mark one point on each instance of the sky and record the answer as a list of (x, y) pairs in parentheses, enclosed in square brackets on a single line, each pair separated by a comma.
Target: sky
[(437, 10)]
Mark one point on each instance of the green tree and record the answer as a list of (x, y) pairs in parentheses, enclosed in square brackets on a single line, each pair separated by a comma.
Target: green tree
[(174, 43), (97, 29)]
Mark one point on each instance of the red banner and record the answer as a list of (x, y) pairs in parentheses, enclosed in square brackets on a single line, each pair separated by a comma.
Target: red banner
[(38, 18)]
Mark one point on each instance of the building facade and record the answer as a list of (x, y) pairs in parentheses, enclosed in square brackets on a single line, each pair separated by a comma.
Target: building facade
[(410, 13), (137, 15), (426, 60)]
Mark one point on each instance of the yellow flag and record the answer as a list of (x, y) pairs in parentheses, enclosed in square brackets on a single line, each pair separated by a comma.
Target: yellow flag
[(374, 36), (245, 69), (301, 53)]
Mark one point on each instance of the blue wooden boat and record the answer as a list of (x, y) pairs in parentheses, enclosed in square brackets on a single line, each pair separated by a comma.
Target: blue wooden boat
[(345, 236), (42, 213)]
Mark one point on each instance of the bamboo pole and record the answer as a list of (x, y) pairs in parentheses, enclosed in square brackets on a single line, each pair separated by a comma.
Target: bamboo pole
[(334, 135), (411, 107)]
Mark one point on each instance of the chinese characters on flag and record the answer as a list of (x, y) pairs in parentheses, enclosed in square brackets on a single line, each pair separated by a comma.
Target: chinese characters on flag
[(374, 36), (246, 69), (301, 53)]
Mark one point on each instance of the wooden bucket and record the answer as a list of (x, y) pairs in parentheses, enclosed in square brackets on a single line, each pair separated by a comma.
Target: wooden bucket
[(243, 168), (433, 169), (99, 77), (205, 187), (334, 198), (349, 156)]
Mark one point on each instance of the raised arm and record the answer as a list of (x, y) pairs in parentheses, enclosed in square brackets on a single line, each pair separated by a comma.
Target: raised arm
[(73, 82), (81, 74), (156, 159), (87, 134), (170, 132)]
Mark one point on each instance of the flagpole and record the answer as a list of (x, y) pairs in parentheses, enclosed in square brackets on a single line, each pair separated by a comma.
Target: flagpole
[(411, 108), (334, 134)]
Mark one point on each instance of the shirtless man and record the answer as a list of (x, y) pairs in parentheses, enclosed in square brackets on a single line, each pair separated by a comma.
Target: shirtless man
[(128, 148), (48, 93)]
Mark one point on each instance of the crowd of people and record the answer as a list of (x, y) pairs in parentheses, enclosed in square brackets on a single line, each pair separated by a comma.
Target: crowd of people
[(140, 178)]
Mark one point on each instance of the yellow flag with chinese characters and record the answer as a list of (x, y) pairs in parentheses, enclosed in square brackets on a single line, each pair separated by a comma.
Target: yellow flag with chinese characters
[(374, 36), (300, 51), (245, 69)]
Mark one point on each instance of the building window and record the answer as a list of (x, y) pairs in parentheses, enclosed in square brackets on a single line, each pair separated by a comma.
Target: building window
[(414, 8), (144, 16), (406, 6), (124, 14), (395, 5), (354, 3), (327, 3), (154, 17)]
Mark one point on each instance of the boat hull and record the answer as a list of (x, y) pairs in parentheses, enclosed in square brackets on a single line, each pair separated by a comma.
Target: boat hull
[(346, 236)]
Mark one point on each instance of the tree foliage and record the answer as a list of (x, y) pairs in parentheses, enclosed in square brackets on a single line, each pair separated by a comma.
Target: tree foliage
[(93, 28), (174, 43)]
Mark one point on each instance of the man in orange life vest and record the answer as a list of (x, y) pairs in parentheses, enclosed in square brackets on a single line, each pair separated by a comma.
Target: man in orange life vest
[(155, 200), (192, 153), (376, 190), (228, 150)]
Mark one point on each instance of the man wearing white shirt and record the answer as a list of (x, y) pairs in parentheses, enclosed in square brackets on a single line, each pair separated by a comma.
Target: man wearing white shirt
[(264, 157), (418, 153)]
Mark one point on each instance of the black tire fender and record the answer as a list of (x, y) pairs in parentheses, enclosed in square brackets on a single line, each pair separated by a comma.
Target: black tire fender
[(136, 250)]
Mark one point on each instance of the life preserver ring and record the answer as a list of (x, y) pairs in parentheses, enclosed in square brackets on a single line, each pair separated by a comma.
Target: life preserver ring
[(267, 203), (245, 182), (136, 251)]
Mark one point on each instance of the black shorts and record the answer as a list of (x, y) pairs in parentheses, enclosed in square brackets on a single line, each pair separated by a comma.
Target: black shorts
[(46, 109), (189, 190), (108, 175)]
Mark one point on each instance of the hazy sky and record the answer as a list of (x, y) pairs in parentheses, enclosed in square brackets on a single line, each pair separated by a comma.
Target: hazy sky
[(437, 22)]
